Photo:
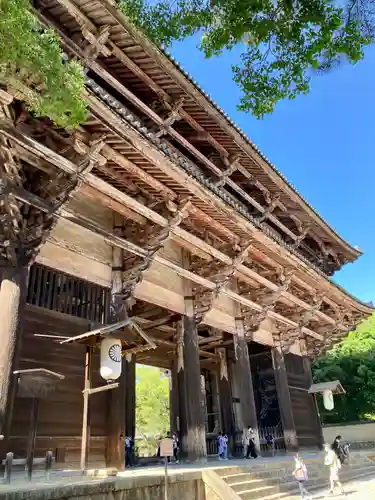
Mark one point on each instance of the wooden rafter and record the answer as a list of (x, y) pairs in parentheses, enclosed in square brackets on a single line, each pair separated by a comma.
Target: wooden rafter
[(91, 182)]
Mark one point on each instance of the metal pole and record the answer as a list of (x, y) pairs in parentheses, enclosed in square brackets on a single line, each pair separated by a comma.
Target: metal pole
[(166, 479), (85, 419)]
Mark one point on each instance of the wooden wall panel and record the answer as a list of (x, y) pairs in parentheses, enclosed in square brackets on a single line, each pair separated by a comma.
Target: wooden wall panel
[(171, 251), (60, 416), (164, 277), (91, 208), (81, 241), (221, 320), (68, 261), (159, 295)]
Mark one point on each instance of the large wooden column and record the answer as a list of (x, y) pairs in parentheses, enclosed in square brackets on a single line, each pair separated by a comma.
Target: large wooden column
[(284, 399), (174, 399), (115, 445), (243, 376), (225, 392), (13, 293), (191, 397), (243, 372), (130, 395), (309, 381)]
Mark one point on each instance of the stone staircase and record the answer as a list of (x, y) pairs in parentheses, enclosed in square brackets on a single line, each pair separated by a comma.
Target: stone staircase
[(273, 480)]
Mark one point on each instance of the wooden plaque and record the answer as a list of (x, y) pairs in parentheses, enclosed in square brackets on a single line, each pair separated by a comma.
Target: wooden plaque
[(166, 447)]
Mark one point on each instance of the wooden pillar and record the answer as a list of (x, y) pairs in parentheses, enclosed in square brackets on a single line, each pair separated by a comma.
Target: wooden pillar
[(130, 395), (226, 405), (284, 399), (244, 377), (243, 372), (191, 397), (214, 378), (309, 380), (13, 293), (115, 448), (173, 399), (181, 385), (115, 445), (192, 427)]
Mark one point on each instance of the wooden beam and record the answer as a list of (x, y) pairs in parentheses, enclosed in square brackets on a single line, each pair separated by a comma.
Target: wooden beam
[(197, 96), (132, 98), (185, 273), (94, 183), (162, 321), (162, 161), (223, 176)]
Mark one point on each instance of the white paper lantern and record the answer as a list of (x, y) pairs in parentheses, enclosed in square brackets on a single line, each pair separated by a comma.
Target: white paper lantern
[(110, 359), (328, 400)]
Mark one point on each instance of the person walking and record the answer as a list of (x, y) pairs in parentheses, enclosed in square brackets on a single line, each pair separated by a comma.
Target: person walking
[(341, 449), (333, 463), (300, 475), (249, 443)]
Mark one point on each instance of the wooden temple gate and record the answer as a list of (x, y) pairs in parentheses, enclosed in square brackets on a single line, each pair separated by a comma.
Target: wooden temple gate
[(159, 203)]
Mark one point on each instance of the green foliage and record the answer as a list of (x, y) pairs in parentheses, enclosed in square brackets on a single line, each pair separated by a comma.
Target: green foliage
[(283, 40), (352, 361), (152, 407), (31, 63)]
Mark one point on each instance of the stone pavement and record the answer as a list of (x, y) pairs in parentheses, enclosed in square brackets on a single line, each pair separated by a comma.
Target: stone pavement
[(362, 489)]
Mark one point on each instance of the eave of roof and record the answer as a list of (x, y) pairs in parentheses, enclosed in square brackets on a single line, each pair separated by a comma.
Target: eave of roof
[(191, 87)]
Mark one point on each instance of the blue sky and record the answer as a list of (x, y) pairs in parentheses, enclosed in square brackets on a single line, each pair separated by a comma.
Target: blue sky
[(324, 143)]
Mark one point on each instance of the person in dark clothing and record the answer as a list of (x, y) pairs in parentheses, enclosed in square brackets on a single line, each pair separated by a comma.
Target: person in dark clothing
[(176, 448), (250, 441), (341, 449), (128, 452)]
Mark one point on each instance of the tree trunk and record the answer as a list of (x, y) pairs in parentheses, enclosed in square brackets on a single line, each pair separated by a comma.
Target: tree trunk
[(13, 293)]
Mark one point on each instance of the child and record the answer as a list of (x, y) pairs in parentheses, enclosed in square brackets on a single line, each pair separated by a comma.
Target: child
[(333, 462), (300, 475), (220, 442), (225, 446)]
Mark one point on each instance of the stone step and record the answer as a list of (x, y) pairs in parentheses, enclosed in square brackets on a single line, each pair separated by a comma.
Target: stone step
[(314, 487), (235, 482), (262, 489), (252, 476), (258, 492), (277, 496)]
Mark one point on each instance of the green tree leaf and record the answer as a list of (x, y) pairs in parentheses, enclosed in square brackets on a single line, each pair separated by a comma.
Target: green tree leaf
[(152, 406), (352, 361), (283, 41), (32, 66)]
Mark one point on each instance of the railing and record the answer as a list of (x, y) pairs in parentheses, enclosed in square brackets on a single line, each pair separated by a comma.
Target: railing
[(278, 442), (9, 462), (63, 293), (212, 445), (275, 432)]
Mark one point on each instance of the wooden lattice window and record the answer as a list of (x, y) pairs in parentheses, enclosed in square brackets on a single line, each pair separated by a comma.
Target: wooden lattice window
[(61, 292)]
